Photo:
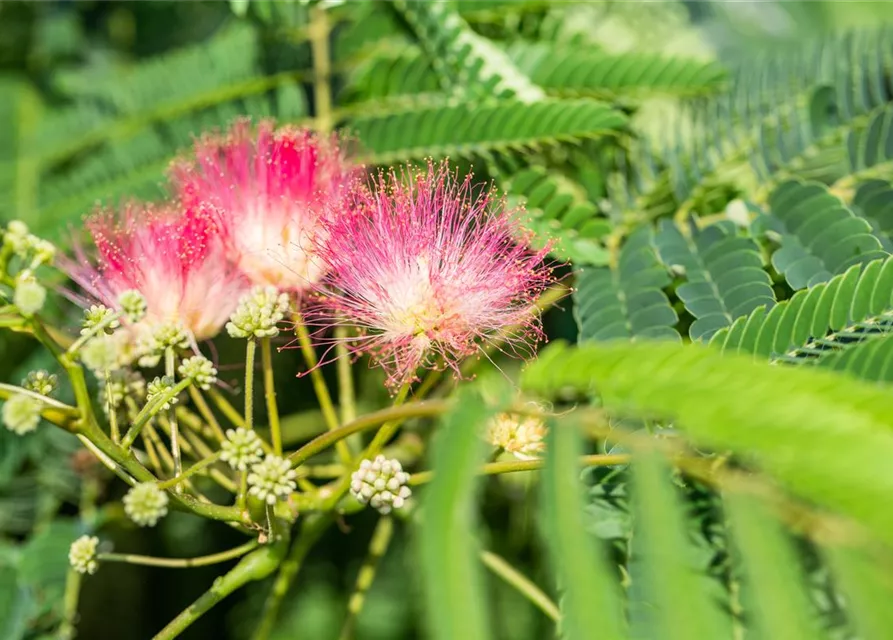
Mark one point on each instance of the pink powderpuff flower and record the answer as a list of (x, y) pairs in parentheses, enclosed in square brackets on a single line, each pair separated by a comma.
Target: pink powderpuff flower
[(271, 187), (426, 266), (172, 255)]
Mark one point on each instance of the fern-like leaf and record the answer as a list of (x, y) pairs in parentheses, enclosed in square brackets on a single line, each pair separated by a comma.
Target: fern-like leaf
[(464, 60), (626, 301), (873, 201), (758, 411), (821, 237), (724, 274), (559, 214), (817, 321), (578, 72), (467, 130)]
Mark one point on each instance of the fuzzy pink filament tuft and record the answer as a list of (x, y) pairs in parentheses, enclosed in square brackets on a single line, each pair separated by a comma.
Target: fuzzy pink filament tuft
[(271, 187), (426, 266), (174, 257)]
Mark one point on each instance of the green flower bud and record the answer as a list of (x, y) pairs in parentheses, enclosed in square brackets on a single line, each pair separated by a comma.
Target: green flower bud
[(145, 504), (82, 554), (21, 413)]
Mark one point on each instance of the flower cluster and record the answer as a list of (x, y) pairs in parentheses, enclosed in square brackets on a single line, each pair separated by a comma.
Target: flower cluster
[(82, 554), (271, 479), (427, 267), (241, 449), (522, 436), (258, 313), (145, 504), (21, 414), (271, 189), (380, 483)]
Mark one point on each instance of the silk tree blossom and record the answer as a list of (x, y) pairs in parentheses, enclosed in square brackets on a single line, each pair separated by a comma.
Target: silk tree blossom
[(426, 266), (172, 255), (271, 187)]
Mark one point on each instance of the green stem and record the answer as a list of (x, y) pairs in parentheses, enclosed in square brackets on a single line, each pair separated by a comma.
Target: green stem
[(242, 495), (319, 31), (170, 369), (369, 421), (249, 383), (255, 566), (319, 384), (151, 410), (68, 630), (387, 430), (512, 466), (226, 408), (205, 411), (58, 413), (346, 394), (521, 583), (179, 563), (198, 466), (270, 395), (80, 342), (313, 528), (113, 411), (378, 546)]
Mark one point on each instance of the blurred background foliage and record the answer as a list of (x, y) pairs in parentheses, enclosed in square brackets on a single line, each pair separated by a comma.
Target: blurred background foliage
[(603, 117)]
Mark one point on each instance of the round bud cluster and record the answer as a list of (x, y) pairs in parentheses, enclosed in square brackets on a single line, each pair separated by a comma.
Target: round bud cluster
[(101, 354), (17, 238), (380, 483), (96, 317), (29, 296), (241, 448), (169, 335), (22, 243), (145, 504), (522, 436), (200, 370), (133, 304), (158, 387), (82, 554), (21, 413), (258, 313), (271, 479), (40, 381)]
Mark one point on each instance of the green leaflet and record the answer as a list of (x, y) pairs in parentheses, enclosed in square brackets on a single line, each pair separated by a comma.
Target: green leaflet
[(559, 213), (724, 274), (850, 306), (591, 598), (575, 71), (465, 62), (863, 574), (873, 201), (763, 413), (820, 236), (559, 69), (447, 535), (670, 601), (872, 145), (626, 300), (774, 587), (870, 360), (465, 130)]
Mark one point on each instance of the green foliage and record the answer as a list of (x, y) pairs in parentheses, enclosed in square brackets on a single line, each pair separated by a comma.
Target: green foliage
[(590, 597), (447, 542), (704, 175), (462, 130), (762, 412), (820, 319), (723, 271), (626, 300), (820, 237)]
